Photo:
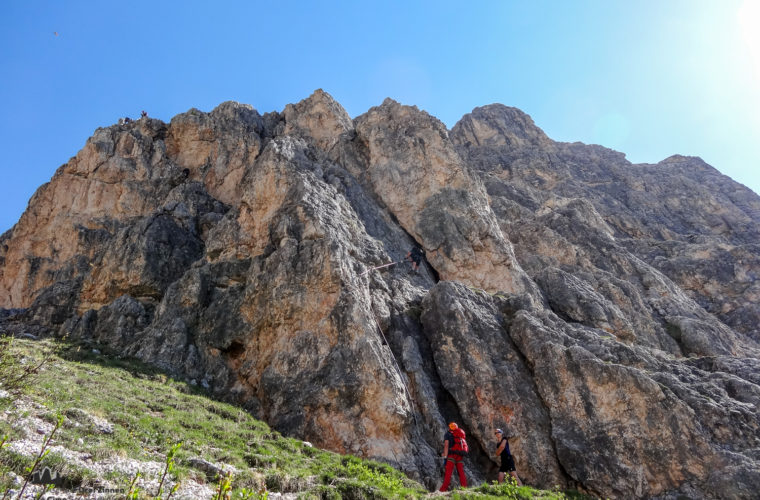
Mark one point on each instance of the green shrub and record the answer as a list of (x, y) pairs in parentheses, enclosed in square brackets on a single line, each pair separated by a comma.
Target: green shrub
[(260, 461), (11, 461), (354, 489), (322, 492)]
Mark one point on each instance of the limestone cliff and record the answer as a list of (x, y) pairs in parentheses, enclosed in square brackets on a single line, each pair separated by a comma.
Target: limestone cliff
[(606, 313)]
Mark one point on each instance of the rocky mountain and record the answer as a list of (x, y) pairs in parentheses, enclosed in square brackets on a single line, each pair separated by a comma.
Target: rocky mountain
[(606, 313)]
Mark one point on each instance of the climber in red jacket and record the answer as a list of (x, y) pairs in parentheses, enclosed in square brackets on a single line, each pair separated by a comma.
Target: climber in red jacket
[(454, 450)]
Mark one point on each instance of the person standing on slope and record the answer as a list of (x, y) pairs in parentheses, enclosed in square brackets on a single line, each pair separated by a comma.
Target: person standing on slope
[(507, 462), (454, 449)]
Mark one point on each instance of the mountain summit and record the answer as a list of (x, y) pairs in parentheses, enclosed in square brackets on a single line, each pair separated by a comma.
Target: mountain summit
[(606, 313)]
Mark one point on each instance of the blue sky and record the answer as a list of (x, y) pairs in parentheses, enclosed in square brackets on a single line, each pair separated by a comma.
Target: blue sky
[(648, 78)]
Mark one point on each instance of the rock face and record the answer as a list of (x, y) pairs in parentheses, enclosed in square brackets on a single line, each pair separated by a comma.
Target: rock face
[(606, 313)]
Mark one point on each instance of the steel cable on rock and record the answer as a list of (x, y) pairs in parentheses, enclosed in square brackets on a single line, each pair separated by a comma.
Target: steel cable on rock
[(398, 368), (385, 340)]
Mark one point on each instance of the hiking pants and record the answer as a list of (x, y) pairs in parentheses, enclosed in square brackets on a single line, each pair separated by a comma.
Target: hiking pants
[(450, 462)]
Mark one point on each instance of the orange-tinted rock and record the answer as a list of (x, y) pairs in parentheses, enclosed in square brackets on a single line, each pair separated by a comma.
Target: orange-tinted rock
[(591, 305)]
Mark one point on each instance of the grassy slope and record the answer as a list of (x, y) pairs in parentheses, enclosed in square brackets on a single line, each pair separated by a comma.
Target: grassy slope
[(151, 412)]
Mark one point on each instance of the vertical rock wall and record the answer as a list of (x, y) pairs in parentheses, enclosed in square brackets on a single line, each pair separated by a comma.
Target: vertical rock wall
[(604, 313)]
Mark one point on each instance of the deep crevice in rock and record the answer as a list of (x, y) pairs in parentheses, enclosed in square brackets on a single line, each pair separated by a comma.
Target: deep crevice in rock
[(531, 369)]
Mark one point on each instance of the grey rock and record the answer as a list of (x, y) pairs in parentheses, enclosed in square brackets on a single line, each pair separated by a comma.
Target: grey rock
[(470, 342), (17, 481), (78, 417), (606, 313), (213, 471)]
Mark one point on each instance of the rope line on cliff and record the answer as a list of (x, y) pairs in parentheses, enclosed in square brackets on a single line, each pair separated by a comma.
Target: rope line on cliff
[(378, 267), (398, 368)]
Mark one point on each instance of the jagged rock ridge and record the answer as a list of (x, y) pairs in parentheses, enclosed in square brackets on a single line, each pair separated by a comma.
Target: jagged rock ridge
[(606, 312)]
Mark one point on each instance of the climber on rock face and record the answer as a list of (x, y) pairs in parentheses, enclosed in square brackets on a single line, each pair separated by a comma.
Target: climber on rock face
[(507, 462), (454, 449), (415, 257)]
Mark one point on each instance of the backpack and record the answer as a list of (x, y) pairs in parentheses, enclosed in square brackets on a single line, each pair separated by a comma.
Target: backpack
[(460, 443)]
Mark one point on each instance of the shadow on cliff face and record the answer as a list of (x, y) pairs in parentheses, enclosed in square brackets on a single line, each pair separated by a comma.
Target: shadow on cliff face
[(434, 407)]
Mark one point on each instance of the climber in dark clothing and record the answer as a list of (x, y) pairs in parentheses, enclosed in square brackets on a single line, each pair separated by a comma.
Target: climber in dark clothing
[(507, 462), (415, 256)]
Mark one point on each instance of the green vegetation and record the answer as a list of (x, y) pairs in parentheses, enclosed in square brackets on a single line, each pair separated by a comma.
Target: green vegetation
[(16, 376), (169, 468), (44, 452), (151, 413), (510, 491)]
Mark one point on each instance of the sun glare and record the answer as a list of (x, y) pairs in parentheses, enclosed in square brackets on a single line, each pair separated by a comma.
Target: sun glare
[(749, 24)]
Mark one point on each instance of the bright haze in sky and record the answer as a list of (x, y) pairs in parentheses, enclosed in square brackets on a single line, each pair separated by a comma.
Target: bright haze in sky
[(647, 78)]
